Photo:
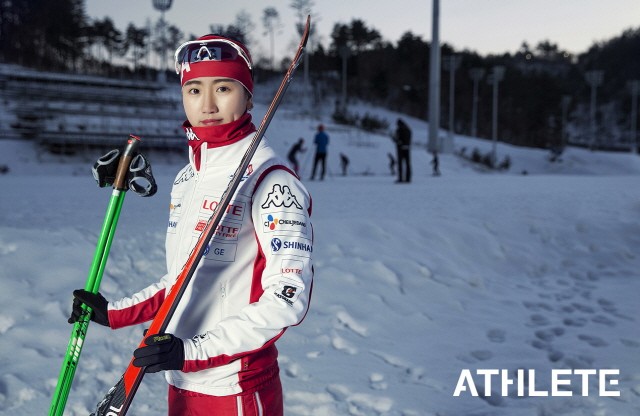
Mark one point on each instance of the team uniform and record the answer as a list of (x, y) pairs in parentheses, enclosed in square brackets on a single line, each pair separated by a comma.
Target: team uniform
[(255, 277), (254, 280)]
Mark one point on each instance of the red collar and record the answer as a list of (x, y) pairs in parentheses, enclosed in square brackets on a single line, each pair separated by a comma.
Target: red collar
[(216, 136)]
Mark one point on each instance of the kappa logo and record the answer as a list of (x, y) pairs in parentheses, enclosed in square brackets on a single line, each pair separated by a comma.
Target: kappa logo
[(281, 196), (191, 135)]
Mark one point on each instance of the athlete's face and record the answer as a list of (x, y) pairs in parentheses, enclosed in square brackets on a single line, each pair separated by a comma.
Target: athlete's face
[(211, 101)]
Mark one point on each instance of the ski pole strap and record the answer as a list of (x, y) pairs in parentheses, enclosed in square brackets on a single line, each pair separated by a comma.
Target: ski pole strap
[(141, 179), (130, 150), (104, 170)]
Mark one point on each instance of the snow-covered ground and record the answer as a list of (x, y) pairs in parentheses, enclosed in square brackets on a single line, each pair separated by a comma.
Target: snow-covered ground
[(414, 283)]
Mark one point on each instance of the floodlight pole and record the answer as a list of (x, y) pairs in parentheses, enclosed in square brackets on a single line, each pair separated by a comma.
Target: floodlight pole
[(434, 80), (496, 76), (566, 100), (344, 54), (451, 63), (476, 75), (634, 86), (594, 79), (162, 6)]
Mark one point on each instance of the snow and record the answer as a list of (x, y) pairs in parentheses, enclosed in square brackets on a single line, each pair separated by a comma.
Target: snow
[(414, 282)]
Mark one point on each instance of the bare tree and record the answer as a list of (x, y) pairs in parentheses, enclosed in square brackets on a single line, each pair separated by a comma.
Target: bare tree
[(136, 40), (302, 9), (240, 29), (271, 23)]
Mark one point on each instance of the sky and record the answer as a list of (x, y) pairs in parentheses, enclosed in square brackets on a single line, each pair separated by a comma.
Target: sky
[(484, 26)]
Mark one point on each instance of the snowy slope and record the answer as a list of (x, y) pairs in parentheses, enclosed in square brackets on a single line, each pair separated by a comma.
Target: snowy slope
[(414, 283)]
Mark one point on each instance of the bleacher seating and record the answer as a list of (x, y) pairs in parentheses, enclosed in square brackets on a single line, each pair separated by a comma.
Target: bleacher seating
[(73, 111)]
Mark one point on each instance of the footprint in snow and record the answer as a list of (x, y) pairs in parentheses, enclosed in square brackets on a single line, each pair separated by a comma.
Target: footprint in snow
[(593, 340), (377, 382), (549, 334), (538, 320), (577, 322), (497, 336)]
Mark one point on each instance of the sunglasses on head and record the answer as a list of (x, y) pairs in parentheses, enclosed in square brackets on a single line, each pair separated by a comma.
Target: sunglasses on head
[(209, 50)]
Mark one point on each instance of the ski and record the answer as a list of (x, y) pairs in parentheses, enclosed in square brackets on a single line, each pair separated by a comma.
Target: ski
[(119, 397), (79, 331)]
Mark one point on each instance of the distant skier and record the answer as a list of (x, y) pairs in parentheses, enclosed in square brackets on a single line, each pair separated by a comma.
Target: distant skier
[(344, 163), (392, 164), (321, 140), (293, 154), (402, 138), (435, 163)]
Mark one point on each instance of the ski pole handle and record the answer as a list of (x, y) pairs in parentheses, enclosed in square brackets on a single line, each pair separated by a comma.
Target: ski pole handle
[(120, 183)]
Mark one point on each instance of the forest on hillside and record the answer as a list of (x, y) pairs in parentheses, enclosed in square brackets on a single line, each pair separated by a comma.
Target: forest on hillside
[(545, 94)]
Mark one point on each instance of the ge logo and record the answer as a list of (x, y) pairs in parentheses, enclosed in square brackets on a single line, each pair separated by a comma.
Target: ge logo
[(276, 244)]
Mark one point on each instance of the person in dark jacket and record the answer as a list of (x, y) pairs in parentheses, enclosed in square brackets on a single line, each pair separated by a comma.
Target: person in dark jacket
[(293, 154), (402, 138)]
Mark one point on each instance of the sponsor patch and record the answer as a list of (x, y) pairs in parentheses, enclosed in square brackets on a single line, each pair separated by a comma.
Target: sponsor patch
[(235, 211), (282, 245), (291, 266), (246, 175), (284, 222), (288, 292), (175, 211), (185, 176), (281, 196), (224, 231), (200, 339), (217, 251)]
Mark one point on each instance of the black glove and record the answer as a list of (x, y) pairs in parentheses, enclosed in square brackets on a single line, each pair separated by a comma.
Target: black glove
[(96, 302), (163, 352)]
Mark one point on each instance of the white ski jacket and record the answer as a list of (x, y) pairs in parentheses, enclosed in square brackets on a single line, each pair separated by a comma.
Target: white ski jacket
[(254, 280)]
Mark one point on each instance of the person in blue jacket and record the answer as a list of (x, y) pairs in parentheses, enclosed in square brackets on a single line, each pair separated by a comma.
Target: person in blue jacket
[(321, 141)]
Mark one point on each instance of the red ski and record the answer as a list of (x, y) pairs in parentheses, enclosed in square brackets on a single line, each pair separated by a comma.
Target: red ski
[(120, 396)]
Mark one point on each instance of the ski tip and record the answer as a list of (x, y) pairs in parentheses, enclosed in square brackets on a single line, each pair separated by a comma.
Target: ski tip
[(307, 29)]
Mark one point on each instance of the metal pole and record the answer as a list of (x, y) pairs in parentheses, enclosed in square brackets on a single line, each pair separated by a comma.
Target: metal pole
[(566, 100), (162, 6), (344, 52), (451, 63), (496, 76), (476, 75), (594, 78), (434, 80), (635, 88)]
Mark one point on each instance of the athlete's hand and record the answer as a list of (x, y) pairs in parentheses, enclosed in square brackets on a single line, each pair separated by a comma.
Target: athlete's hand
[(96, 302), (162, 352)]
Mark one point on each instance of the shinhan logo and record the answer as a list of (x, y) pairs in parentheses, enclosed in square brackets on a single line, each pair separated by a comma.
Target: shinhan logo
[(191, 135), (276, 243)]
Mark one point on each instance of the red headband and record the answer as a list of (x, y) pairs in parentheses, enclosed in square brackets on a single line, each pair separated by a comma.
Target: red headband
[(237, 69)]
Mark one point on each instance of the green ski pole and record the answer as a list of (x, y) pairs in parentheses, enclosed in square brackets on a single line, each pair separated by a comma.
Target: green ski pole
[(79, 331)]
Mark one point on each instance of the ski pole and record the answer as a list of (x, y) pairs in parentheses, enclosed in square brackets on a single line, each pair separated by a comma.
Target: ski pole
[(79, 331)]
